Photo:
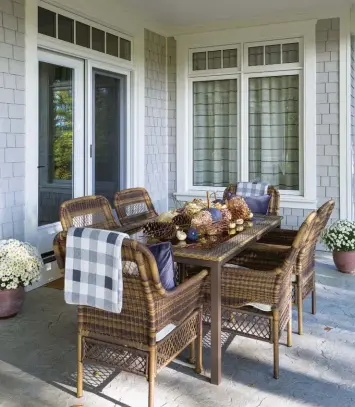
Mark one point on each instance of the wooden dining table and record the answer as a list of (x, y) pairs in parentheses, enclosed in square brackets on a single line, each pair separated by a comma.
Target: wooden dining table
[(215, 258)]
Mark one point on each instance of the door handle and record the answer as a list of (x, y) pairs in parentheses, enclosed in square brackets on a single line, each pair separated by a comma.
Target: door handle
[(40, 166)]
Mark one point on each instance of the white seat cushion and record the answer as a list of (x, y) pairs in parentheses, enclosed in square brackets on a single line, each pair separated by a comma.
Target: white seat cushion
[(261, 307), (165, 331)]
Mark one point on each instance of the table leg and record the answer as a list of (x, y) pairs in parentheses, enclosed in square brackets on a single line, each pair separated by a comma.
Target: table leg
[(216, 353)]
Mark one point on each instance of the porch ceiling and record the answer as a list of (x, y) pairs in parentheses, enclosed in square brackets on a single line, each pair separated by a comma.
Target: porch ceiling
[(200, 12)]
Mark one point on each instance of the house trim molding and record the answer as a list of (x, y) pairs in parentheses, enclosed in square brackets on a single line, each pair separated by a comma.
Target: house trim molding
[(345, 170)]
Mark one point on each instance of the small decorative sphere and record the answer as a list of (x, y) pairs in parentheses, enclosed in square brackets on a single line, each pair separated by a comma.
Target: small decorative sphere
[(239, 221), (215, 213), (239, 228), (232, 225), (181, 235), (192, 234), (251, 215)]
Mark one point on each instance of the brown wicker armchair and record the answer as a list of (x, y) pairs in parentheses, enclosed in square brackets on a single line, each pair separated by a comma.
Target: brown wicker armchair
[(274, 204), (134, 206), (154, 326), (256, 302), (87, 211), (271, 249)]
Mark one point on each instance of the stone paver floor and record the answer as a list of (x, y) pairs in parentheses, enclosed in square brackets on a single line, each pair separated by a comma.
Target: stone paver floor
[(38, 354)]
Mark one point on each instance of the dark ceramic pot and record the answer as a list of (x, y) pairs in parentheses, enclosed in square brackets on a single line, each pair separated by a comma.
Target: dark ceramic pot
[(345, 261), (11, 302)]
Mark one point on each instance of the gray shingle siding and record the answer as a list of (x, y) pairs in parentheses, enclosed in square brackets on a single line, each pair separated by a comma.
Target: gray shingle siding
[(12, 118)]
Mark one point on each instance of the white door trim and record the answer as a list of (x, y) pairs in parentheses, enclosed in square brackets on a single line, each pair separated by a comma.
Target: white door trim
[(345, 169), (45, 233)]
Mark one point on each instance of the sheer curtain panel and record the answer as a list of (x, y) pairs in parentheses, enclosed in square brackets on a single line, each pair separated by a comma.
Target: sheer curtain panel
[(274, 131), (215, 132)]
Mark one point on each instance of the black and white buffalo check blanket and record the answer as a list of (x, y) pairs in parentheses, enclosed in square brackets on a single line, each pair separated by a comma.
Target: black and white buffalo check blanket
[(93, 268)]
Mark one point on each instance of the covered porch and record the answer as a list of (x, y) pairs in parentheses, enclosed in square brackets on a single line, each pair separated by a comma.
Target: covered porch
[(38, 360)]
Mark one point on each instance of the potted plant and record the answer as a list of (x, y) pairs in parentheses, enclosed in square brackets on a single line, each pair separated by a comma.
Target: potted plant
[(340, 239), (20, 265)]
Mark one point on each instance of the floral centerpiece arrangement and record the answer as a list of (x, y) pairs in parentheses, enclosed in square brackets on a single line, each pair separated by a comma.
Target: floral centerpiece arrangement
[(20, 265), (340, 239), (200, 218)]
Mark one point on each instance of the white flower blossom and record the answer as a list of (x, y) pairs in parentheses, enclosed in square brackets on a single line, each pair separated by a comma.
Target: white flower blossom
[(20, 264), (340, 236)]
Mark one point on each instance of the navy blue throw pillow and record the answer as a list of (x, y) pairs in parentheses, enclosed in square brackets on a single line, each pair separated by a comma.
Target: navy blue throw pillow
[(258, 204), (163, 253)]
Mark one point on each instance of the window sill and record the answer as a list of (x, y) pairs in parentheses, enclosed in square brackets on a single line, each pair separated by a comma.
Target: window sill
[(286, 201)]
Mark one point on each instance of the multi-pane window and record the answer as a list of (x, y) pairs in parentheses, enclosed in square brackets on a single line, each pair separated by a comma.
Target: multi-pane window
[(215, 59), (67, 29), (273, 54), (269, 127)]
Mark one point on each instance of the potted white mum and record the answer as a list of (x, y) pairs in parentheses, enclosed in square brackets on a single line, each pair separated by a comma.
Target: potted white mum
[(20, 265), (340, 239)]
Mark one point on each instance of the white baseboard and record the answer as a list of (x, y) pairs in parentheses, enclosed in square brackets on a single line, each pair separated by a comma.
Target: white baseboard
[(51, 272)]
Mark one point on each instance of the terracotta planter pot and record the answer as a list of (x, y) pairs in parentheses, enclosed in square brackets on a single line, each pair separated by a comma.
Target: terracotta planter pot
[(345, 261), (11, 302)]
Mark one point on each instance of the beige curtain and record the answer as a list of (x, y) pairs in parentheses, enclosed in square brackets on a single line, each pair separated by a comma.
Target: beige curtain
[(215, 133), (274, 131)]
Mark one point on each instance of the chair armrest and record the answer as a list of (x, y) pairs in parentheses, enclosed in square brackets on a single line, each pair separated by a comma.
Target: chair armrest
[(176, 305), (59, 247), (261, 256), (283, 237)]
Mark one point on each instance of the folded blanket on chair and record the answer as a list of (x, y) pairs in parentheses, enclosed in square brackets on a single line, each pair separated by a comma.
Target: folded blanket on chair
[(93, 268), (252, 188)]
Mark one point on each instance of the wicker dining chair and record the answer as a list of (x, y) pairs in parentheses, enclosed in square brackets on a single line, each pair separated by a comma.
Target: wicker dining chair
[(134, 205), (274, 204), (153, 328), (87, 211), (257, 302), (271, 249)]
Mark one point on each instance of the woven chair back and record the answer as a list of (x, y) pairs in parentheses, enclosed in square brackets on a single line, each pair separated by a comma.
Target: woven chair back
[(307, 252), (274, 204), (88, 211), (134, 205), (301, 241)]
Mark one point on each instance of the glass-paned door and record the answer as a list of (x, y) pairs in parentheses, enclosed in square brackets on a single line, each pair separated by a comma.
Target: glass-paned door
[(109, 132), (60, 139)]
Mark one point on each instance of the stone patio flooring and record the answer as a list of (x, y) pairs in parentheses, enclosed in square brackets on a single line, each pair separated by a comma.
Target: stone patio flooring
[(38, 354)]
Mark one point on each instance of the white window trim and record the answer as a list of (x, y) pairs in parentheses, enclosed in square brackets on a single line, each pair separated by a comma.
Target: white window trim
[(278, 32)]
